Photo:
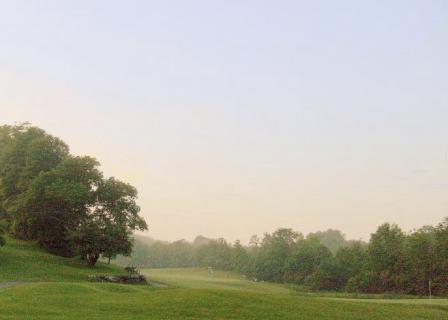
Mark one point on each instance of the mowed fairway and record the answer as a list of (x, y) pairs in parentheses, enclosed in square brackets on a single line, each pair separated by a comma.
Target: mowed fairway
[(219, 280), (285, 302), (105, 301), (47, 287)]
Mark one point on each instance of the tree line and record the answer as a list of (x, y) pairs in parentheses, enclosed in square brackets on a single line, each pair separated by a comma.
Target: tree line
[(392, 261), (62, 201)]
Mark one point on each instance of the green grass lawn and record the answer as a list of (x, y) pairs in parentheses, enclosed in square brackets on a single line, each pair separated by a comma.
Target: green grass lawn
[(25, 261), (55, 288), (105, 301), (220, 280)]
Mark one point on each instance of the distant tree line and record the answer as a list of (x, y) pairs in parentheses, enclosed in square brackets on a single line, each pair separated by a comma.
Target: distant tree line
[(392, 261), (62, 201)]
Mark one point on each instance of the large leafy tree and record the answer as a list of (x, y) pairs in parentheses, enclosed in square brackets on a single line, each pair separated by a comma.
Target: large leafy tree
[(350, 260), (440, 277), (334, 273), (306, 258), (63, 201), (25, 153), (73, 210), (58, 200), (107, 226), (421, 256), (386, 257), (272, 253)]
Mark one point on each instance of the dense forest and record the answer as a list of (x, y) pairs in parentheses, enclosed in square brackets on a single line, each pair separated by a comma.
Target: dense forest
[(392, 261), (62, 201)]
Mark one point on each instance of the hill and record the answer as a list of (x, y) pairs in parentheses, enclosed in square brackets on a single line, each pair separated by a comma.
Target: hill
[(25, 261), (51, 287)]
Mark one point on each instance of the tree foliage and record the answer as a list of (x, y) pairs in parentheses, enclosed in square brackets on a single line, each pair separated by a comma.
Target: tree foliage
[(26, 152), (63, 201), (392, 261), (107, 226), (60, 198)]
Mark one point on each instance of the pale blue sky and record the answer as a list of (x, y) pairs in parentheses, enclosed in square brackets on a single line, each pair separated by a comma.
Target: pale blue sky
[(238, 117)]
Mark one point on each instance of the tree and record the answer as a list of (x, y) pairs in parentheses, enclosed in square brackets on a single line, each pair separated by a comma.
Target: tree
[(421, 256), (117, 240), (26, 152), (270, 256), (386, 258), (240, 258), (106, 228), (62, 201), (306, 258), (440, 278), (334, 273), (180, 254), (72, 209), (350, 260), (326, 276), (98, 237), (58, 201), (216, 254)]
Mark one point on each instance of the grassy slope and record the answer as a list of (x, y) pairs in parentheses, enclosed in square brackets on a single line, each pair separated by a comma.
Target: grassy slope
[(57, 291), (24, 261), (221, 280)]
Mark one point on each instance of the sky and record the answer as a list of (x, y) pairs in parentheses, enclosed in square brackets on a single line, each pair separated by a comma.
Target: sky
[(237, 117)]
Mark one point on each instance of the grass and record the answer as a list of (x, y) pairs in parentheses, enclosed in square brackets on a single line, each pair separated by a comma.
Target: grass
[(219, 280), (25, 261), (114, 302), (55, 288)]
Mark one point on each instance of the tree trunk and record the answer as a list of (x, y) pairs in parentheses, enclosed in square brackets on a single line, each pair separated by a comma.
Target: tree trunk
[(92, 258)]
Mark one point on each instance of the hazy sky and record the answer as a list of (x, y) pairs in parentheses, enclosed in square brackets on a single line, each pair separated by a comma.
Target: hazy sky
[(234, 118)]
